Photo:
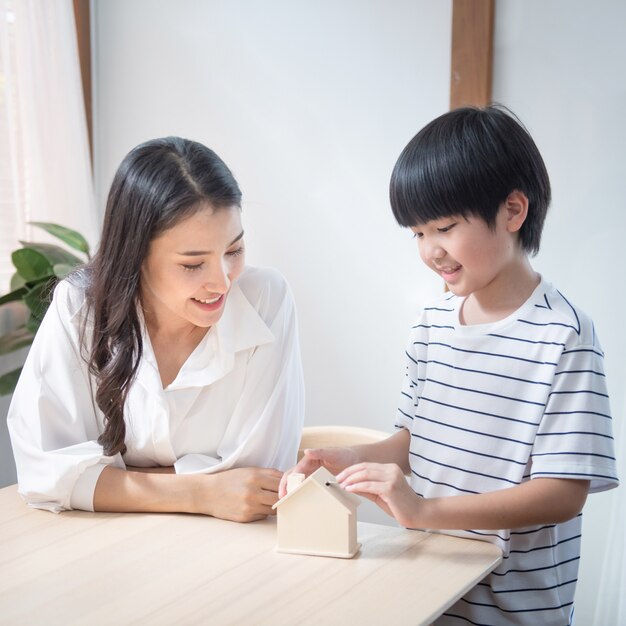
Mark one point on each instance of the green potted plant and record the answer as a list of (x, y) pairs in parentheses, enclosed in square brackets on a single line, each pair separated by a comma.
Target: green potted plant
[(39, 267)]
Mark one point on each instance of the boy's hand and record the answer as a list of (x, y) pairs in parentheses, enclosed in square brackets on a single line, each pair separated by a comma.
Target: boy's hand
[(385, 485), (333, 459)]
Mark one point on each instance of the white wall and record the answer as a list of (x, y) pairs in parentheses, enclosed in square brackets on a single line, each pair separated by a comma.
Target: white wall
[(560, 66), (310, 104)]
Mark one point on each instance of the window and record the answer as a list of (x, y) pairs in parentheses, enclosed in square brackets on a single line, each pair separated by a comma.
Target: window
[(45, 169), (13, 201)]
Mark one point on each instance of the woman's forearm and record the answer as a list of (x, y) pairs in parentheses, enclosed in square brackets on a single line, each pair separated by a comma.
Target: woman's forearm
[(242, 494), (120, 491)]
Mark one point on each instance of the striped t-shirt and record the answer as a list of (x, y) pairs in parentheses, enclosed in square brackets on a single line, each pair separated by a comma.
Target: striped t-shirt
[(493, 405)]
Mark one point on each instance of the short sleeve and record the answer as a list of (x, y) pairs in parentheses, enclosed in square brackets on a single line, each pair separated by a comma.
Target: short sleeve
[(575, 437)]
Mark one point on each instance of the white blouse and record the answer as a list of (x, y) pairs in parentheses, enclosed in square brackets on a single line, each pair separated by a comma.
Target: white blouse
[(238, 400)]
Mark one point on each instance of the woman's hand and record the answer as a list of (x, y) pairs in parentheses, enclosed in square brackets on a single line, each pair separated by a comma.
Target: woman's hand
[(333, 459), (386, 485), (241, 495)]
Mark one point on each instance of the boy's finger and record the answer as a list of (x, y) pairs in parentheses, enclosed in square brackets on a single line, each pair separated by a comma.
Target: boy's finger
[(372, 487), (351, 470)]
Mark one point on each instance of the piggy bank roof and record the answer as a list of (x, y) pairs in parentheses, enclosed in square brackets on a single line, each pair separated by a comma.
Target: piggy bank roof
[(323, 479)]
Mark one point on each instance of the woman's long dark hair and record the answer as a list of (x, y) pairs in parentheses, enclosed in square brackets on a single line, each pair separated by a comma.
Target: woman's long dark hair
[(158, 184)]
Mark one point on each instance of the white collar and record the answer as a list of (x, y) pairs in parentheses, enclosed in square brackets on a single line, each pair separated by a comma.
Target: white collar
[(240, 328)]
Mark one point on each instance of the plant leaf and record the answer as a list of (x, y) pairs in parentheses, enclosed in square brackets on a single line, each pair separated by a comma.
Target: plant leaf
[(61, 270), (8, 381), (54, 254), (33, 324), (31, 265), (16, 339), (38, 300), (68, 236), (16, 281), (16, 294)]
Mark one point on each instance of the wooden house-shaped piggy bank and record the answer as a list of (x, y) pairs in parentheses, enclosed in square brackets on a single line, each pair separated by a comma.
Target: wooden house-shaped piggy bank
[(317, 517)]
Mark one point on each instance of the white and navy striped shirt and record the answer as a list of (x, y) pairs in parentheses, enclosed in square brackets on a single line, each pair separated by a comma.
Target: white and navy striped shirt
[(493, 405)]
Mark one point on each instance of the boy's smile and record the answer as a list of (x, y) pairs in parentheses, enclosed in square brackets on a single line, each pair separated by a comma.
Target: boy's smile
[(448, 272)]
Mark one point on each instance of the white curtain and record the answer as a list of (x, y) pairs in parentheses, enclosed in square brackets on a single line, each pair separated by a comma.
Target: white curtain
[(45, 169), (611, 605)]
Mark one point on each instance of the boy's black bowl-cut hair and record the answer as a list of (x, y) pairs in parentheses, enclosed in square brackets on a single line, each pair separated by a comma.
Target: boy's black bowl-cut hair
[(466, 162)]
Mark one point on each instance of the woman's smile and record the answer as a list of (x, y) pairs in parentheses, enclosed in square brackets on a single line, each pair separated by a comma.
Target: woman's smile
[(210, 304)]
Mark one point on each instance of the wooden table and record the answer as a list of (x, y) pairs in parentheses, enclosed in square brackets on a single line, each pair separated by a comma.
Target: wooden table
[(105, 568)]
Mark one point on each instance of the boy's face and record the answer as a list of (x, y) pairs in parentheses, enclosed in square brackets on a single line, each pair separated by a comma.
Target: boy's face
[(470, 256)]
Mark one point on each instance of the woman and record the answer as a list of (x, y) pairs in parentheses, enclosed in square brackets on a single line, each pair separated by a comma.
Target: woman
[(165, 376)]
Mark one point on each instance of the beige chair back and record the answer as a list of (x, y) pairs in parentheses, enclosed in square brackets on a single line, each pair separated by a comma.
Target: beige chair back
[(331, 436)]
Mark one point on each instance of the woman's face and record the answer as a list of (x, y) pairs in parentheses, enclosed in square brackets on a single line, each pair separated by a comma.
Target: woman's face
[(189, 269)]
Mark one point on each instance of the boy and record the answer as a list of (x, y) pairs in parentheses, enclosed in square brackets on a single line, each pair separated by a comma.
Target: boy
[(504, 423)]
